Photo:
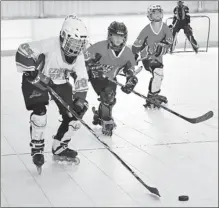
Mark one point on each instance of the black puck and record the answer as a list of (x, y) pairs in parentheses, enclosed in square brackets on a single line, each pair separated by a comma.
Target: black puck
[(183, 198)]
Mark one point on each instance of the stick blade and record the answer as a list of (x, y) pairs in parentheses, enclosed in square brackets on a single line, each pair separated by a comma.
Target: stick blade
[(202, 118), (154, 191)]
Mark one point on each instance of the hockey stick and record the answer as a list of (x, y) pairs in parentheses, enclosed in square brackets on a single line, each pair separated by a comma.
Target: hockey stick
[(196, 120), (68, 108)]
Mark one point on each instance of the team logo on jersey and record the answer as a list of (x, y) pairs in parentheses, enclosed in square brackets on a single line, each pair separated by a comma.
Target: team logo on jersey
[(58, 73), (107, 68)]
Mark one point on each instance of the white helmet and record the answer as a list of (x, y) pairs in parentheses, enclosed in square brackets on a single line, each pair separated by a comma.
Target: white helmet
[(151, 9), (73, 36)]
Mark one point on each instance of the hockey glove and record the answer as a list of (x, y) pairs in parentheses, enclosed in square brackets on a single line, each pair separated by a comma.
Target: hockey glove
[(37, 78), (162, 48), (41, 81), (80, 106), (130, 84), (39, 65)]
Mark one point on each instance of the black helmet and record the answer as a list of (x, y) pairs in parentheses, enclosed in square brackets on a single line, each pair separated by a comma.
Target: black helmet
[(117, 28), (180, 3)]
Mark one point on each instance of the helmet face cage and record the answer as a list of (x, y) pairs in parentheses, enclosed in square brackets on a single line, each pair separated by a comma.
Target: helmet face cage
[(72, 46), (73, 37), (118, 29), (151, 11)]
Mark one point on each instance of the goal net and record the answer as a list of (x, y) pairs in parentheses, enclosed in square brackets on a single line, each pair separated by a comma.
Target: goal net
[(201, 29)]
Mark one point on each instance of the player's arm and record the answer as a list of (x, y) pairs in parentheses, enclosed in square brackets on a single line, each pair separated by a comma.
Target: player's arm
[(80, 104), (186, 9), (81, 78), (174, 16), (92, 58), (131, 79), (164, 46), (30, 59), (187, 15), (27, 55), (139, 43)]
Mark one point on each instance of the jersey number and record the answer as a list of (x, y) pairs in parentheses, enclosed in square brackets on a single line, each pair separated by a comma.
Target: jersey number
[(82, 83)]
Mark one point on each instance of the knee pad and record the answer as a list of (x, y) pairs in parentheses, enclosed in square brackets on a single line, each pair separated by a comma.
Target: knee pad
[(108, 100), (151, 65), (80, 106), (37, 126), (156, 80), (107, 96)]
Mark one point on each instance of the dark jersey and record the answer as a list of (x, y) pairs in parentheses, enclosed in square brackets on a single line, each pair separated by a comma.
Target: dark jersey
[(108, 57), (181, 13), (148, 39)]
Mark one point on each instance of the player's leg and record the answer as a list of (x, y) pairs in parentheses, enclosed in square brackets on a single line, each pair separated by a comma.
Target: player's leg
[(176, 28), (98, 86), (36, 101), (103, 116), (189, 34), (156, 69), (60, 146), (68, 126)]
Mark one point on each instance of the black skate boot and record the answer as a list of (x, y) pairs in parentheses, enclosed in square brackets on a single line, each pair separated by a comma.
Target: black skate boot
[(155, 98), (37, 153), (162, 98), (61, 152), (108, 126)]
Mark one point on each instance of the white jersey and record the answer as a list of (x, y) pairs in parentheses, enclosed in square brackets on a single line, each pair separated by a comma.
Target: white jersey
[(55, 65)]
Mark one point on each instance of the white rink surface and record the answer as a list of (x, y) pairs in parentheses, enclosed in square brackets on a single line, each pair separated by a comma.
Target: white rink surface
[(165, 151)]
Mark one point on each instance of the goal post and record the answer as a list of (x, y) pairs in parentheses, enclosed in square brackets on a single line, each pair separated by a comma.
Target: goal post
[(201, 30)]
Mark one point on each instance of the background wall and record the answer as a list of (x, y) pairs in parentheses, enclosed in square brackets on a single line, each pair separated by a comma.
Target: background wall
[(36, 9), (21, 22)]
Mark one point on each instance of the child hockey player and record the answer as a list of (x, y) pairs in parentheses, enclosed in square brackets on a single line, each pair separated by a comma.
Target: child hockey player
[(109, 57), (153, 42), (181, 20), (57, 58)]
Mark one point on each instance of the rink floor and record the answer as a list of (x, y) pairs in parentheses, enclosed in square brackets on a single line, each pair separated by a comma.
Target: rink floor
[(167, 152)]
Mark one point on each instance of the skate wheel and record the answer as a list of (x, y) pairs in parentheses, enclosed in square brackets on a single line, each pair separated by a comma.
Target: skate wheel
[(76, 161), (57, 158), (39, 170)]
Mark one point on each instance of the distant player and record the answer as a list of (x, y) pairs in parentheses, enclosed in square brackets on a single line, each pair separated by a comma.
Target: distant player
[(181, 20), (57, 58), (152, 43), (110, 57)]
